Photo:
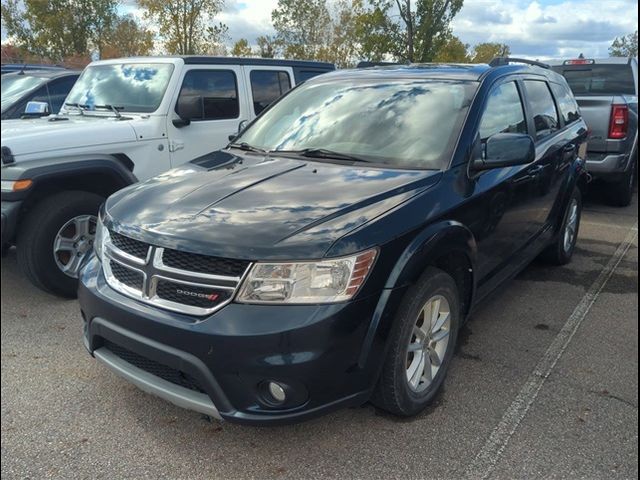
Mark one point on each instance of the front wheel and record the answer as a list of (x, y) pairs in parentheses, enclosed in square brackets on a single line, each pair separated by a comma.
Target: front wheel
[(422, 345), (55, 239)]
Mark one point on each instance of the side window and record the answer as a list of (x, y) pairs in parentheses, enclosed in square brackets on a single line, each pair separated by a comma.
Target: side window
[(58, 91), (567, 104), (267, 86), (543, 109), (504, 112), (304, 75), (215, 91)]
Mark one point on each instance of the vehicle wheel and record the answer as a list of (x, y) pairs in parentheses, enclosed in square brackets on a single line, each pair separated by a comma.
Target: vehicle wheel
[(621, 192), (422, 344), (55, 238), (561, 251)]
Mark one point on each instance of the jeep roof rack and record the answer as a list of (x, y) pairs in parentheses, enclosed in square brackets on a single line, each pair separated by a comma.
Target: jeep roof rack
[(501, 61)]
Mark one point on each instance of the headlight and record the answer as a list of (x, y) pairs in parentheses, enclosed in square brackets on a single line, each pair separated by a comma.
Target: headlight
[(102, 234), (323, 281)]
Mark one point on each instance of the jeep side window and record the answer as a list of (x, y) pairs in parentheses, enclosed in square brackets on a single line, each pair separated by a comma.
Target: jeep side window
[(218, 92), (267, 86), (503, 113), (567, 104), (543, 108)]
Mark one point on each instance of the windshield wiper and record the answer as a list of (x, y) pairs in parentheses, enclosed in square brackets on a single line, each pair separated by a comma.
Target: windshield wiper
[(322, 153), (81, 108), (113, 108), (246, 147)]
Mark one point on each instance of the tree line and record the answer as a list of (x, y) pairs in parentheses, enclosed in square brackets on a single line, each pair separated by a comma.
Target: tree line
[(337, 31)]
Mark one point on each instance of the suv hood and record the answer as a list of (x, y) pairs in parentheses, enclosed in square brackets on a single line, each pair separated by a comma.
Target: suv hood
[(260, 207), (36, 135)]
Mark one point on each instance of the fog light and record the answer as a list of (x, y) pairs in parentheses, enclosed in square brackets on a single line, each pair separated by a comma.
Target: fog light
[(277, 392)]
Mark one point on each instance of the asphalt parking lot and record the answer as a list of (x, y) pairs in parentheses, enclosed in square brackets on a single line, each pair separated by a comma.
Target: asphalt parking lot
[(544, 384)]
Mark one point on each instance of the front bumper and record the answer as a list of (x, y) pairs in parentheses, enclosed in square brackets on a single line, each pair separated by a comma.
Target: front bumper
[(225, 359), (10, 211)]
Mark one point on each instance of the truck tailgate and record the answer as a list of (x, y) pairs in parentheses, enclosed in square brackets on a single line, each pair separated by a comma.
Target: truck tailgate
[(596, 111)]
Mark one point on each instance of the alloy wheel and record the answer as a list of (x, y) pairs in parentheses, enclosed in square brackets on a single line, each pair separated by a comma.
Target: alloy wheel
[(428, 343), (73, 242)]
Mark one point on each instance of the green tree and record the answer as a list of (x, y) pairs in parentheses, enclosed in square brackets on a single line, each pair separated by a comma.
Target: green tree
[(375, 33), (303, 27), (268, 46), (625, 46), (241, 49), (57, 29), (343, 46), (485, 52), (409, 30), (127, 39), (186, 26), (453, 51)]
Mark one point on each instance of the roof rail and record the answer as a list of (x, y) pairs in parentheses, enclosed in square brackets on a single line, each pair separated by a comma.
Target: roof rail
[(501, 61), (367, 64)]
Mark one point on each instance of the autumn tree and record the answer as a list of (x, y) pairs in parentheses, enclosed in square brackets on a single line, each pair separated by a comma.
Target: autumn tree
[(375, 33), (625, 46), (241, 49), (485, 52), (58, 29), (452, 51), (127, 39), (186, 26)]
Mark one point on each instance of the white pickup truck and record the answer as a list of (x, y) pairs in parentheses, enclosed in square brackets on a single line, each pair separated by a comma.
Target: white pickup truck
[(125, 120)]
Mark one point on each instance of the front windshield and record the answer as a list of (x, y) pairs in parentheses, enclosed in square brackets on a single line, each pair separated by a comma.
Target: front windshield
[(129, 87), (14, 86), (409, 122)]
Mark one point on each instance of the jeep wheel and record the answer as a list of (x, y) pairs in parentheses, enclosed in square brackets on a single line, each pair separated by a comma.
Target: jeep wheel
[(422, 344), (55, 239)]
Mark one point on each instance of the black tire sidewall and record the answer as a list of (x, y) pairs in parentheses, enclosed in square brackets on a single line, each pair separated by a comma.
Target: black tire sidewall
[(563, 255), (430, 285), (37, 235)]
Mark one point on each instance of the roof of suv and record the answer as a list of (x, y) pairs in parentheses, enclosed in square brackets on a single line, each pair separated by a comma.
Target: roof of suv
[(469, 72), (53, 73)]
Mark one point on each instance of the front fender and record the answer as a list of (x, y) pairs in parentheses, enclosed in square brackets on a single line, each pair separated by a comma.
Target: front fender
[(113, 167), (435, 242)]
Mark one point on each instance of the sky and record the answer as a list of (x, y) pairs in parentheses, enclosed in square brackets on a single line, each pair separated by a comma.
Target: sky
[(533, 29)]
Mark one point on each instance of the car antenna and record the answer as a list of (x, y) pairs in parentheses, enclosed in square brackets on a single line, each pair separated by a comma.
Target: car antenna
[(24, 66)]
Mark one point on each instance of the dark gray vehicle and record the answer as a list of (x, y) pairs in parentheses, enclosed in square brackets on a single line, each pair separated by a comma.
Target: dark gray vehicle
[(607, 92), (47, 86)]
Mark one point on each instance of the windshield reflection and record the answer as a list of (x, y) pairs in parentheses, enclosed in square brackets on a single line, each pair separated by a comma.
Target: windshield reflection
[(134, 87), (408, 122)]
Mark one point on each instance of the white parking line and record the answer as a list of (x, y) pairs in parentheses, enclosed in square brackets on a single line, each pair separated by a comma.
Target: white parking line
[(490, 453)]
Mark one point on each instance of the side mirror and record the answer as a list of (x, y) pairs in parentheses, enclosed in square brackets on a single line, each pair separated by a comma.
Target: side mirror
[(241, 126), (36, 109), (505, 150), (188, 107)]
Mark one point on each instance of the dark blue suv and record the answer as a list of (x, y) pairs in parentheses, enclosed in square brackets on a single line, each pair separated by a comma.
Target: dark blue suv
[(329, 255)]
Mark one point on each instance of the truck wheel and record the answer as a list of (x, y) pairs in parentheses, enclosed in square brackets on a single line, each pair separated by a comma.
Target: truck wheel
[(561, 250), (621, 192), (55, 238), (422, 344)]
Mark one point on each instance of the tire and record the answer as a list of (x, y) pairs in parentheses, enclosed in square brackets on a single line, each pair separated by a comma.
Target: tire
[(561, 250), (394, 392), (38, 232), (621, 193)]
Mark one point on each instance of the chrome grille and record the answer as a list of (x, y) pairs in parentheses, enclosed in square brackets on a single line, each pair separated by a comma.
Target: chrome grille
[(195, 284)]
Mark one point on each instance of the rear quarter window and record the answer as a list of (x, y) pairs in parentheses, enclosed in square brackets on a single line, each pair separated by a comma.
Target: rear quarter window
[(567, 104), (543, 108), (599, 79)]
